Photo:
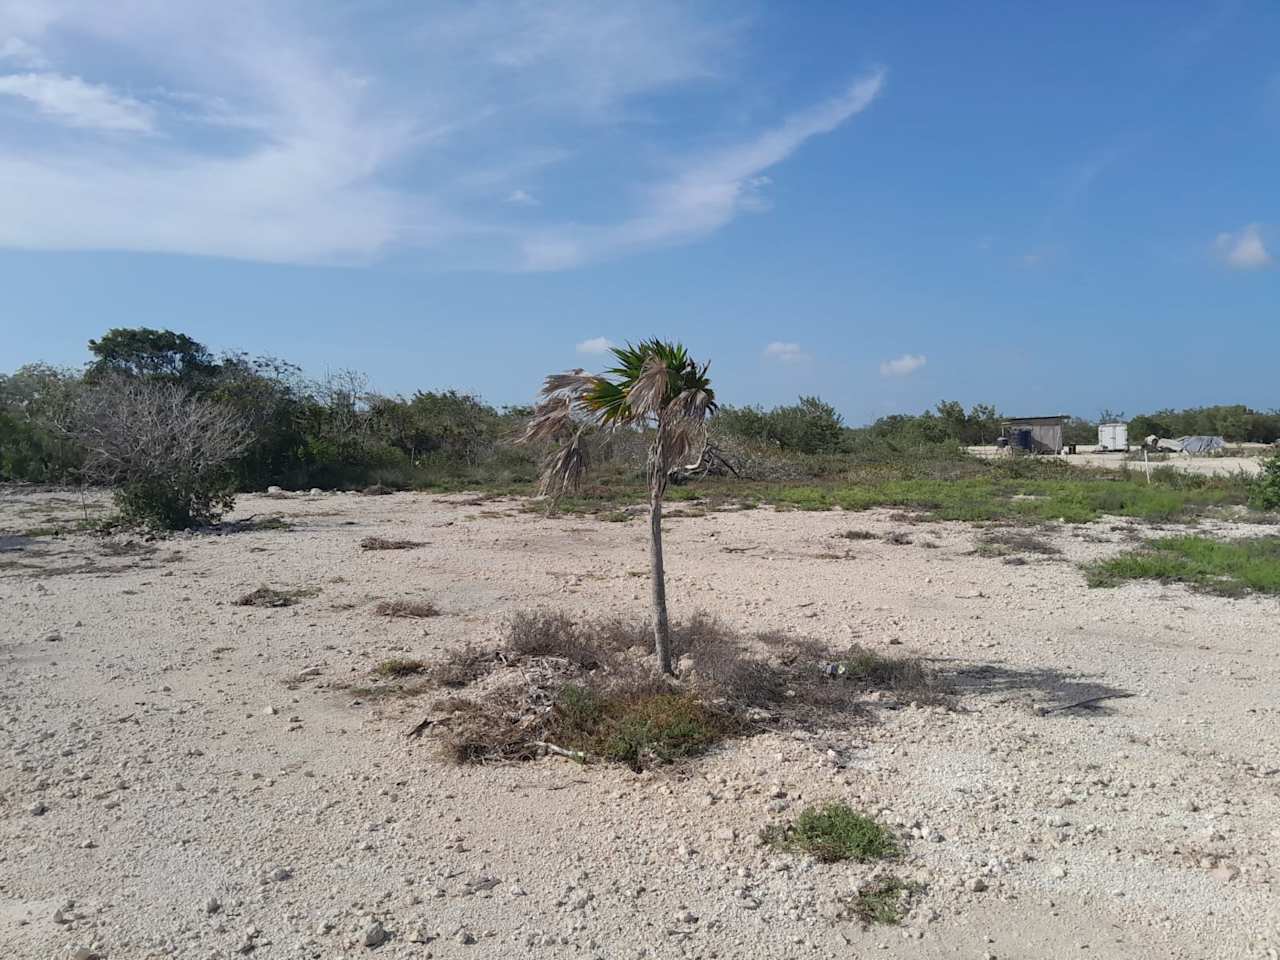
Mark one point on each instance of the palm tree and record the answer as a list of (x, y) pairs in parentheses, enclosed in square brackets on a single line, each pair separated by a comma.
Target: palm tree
[(655, 386)]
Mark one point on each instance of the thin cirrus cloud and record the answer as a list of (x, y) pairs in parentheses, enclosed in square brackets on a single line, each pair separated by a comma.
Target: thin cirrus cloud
[(903, 366), (71, 101), (269, 133), (707, 194), (1244, 249), (784, 352), (595, 345)]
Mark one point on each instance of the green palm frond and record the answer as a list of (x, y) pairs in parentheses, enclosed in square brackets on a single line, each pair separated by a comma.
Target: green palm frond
[(654, 383)]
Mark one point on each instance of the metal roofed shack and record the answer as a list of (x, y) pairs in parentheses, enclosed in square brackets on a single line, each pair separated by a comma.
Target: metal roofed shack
[(1035, 434)]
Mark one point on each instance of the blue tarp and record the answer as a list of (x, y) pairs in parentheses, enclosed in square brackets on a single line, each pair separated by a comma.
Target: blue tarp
[(1201, 444)]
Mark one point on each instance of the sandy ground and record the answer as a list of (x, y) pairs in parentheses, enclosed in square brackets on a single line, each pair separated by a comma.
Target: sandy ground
[(1224, 466), (173, 787)]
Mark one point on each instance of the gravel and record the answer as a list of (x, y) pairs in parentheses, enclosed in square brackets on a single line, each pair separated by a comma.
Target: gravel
[(152, 803)]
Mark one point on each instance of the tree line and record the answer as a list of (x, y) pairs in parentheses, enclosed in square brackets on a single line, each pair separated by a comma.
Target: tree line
[(276, 427)]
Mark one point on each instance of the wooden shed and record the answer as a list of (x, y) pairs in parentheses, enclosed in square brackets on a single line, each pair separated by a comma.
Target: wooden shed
[(1035, 434)]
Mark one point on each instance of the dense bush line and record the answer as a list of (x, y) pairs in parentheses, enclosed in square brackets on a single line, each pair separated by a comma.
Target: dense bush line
[(339, 433)]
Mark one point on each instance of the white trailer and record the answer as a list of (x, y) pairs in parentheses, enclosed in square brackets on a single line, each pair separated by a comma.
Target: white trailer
[(1113, 436)]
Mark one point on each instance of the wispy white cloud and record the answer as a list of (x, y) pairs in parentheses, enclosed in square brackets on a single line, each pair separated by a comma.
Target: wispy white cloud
[(1243, 249), (903, 366), (71, 101), (595, 345), (522, 198), (784, 352), (707, 194), (279, 134), (18, 53)]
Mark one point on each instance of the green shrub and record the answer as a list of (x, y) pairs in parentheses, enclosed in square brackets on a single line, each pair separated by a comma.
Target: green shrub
[(1265, 491), (835, 832)]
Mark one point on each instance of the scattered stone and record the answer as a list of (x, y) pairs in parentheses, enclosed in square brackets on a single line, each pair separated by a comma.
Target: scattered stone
[(212, 906), (38, 809), (1058, 871), (375, 936), (1225, 872), (976, 885)]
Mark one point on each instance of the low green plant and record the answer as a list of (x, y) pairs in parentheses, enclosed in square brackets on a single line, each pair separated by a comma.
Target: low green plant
[(636, 728), (1229, 568), (835, 832)]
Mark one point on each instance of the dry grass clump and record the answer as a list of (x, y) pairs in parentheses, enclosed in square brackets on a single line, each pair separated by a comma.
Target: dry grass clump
[(406, 608), (266, 596), (588, 689), (555, 635), (908, 678), (397, 667), (1009, 542), (382, 543), (377, 490), (856, 535), (898, 538), (463, 666)]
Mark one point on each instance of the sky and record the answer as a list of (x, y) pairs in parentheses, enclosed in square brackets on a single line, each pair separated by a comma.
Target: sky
[(1052, 208)]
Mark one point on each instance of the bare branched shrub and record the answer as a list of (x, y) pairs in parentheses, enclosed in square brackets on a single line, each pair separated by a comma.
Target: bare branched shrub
[(167, 452), (541, 634), (463, 666)]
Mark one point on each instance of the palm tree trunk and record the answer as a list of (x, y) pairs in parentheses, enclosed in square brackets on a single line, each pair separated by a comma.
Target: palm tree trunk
[(658, 583)]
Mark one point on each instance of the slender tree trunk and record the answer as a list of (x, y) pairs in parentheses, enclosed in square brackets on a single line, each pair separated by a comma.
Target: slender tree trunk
[(658, 582)]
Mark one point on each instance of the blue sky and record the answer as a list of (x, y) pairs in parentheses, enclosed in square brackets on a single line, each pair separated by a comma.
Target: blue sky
[(991, 202)]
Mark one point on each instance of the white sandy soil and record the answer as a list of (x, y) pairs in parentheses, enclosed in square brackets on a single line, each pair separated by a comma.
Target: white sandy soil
[(184, 777)]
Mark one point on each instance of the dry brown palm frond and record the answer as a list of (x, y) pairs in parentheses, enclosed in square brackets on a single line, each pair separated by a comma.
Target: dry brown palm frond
[(550, 420), (692, 405), (574, 383), (649, 391), (681, 441), (566, 467)]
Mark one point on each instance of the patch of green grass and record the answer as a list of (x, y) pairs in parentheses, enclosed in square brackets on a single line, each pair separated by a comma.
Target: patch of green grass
[(979, 492), (615, 516), (1229, 568), (884, 902), (637, 728), (399, 667), (835, 832)]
